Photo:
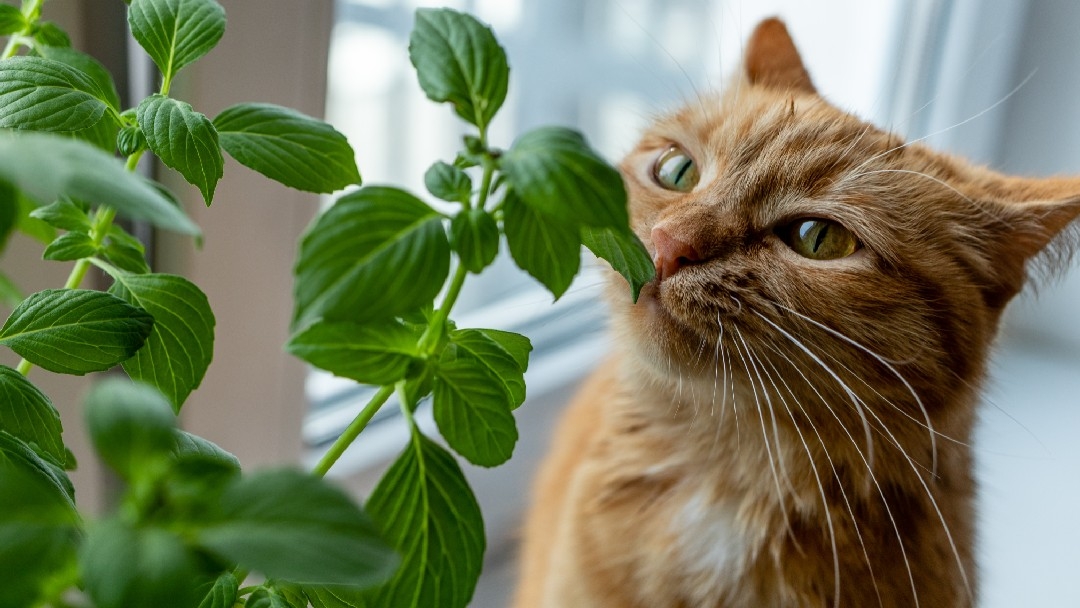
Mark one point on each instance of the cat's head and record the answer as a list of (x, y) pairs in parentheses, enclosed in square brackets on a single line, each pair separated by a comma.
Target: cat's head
[(788, 233)]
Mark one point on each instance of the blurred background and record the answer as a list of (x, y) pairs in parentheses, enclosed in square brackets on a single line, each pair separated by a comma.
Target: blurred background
[(994, 80)]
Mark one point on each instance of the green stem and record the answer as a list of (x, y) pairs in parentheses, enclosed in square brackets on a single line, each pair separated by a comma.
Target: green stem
[(12, 46), (485, 181), (430, 340), (355, 427)]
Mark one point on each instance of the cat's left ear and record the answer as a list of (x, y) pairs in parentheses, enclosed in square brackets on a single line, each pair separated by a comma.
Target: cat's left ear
[(773, 61), (1031, 218)]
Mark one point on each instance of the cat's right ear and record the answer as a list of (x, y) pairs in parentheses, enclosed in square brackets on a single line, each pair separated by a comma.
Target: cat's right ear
[(773, 61), (1029, 222)]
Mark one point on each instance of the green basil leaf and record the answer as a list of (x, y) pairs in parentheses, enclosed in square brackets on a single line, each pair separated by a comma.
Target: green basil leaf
[(515, 345), (27, 413), (49, 34), (125, 251), (44, 95), (426, 510), (70, 246), (184, 140), (63, 214), (472, 411), (555, 172), (75, 331), (541, 246), (30, 226), (504, 355), (17, 451), (458, 60), (39, 527), (28, 161), (130, 140), (297, 527), (176, 32), (448, 182), (288, 147), (474, 235), (187, 445), (625, 252), (124, 566), (222, 593), (333, 597), (10, 211), (131, 425), (264, 597), (376, 253), (98, 73), (375, 353), (11, 20), (102, 135), (181, 345), (117, 234)]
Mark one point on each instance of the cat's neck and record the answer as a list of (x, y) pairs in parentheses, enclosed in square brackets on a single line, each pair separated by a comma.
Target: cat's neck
[(764, 497), (760, 434)]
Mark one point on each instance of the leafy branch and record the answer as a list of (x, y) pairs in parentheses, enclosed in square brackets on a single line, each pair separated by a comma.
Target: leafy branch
[(190, 524)]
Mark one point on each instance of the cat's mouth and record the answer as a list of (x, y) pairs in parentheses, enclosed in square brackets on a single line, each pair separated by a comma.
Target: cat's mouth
[(691, 299)]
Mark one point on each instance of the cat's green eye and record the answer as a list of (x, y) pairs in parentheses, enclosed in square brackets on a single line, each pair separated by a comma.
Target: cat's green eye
[(819, 239), (675, 170)]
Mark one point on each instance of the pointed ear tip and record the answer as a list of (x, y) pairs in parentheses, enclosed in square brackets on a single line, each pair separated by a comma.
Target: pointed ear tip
[(773, 60), (771, 24), (770, 28)]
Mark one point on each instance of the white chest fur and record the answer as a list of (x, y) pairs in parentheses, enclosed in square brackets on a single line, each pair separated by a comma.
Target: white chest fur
[(712, 549)]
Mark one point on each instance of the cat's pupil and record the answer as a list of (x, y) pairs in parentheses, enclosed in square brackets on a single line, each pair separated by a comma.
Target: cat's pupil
[(819, 239), (821, 229), (675, 170)]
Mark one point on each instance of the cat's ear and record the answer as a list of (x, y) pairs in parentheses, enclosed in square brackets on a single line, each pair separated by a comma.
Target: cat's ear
[(772, 60), (1030, 220)]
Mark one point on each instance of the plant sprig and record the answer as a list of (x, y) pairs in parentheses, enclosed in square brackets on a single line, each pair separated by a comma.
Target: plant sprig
[(191, 525)]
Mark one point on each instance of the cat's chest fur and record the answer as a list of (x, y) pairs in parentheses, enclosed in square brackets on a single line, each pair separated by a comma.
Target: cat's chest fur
[(712, 548), (691, 514)]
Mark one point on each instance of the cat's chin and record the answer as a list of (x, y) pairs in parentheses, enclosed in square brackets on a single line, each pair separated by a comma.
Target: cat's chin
[(660, 333)]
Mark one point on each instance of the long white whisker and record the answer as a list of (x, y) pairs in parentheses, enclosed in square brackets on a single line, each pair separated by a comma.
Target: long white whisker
[(914, 467), (817, 478), (895, 372), (828, 457), (949, 128), (764, 433), (716, 364), (868, 462), (936, 180), (772, 412), (843, 385)]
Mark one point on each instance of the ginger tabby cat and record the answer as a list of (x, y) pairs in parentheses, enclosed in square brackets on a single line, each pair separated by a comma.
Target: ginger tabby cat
[(788, 416)]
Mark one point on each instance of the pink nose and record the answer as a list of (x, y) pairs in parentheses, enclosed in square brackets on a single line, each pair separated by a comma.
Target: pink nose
[(671, 253)]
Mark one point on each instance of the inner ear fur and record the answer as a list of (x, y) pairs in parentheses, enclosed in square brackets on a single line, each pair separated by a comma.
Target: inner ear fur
[(773, 61), (1036, 221)]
